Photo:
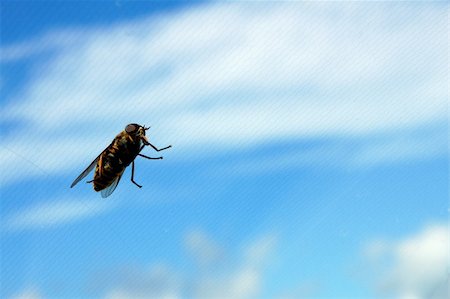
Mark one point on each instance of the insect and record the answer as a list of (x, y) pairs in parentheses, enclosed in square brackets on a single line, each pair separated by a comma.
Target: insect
[(111, 163)]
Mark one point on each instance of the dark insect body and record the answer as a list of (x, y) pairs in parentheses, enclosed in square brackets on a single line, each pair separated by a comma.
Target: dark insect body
[(111, 163)]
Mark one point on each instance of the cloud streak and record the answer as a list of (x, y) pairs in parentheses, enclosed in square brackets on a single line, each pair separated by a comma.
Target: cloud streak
[(51, 214), (256, 74), (30, 293)]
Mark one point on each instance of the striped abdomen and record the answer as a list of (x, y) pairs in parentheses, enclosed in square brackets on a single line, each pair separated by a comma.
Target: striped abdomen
[(114, 160)]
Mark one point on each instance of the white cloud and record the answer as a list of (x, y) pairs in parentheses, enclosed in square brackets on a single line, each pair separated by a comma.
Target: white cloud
[(413, 267), (202, 248), (157, 282), (349, 153), (54, 213), (245, 280), (308, 289), (51, 41), (230, 76), (29, 293), (237, 278), (126, 295)]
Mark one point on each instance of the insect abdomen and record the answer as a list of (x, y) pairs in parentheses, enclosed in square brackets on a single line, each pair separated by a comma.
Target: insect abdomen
[(106, 171), (113, 161)]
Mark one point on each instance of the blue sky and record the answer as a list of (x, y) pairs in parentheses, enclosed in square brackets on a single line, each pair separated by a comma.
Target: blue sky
[(309, 159)]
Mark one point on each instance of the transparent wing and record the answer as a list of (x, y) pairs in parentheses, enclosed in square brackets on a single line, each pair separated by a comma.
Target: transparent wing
[(85, 172), (110, 189)]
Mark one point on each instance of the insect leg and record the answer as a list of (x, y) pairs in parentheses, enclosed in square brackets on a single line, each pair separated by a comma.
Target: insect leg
[(156, 149), (132, 175), (150, 157)]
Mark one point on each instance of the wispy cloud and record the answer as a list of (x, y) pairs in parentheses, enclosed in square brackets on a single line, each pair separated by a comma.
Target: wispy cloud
[(29, 293), (52, 41), (412, 267), (402, 147), (202, 248), (54, 213), (239, 277), (255, 73), (347, 153)]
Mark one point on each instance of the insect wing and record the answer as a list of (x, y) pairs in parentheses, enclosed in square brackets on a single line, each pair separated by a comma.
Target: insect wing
[(85, 172), (110, 189)]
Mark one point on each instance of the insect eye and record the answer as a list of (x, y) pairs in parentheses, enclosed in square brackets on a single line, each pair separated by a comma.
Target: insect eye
[(130, 128)]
